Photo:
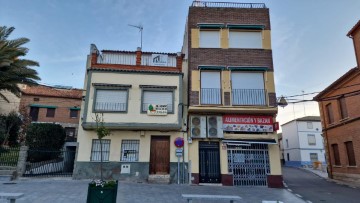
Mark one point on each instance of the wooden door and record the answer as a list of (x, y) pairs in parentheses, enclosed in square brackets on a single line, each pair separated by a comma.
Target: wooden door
[(160, 155)]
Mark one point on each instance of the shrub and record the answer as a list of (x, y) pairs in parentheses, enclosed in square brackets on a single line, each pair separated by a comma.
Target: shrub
[(9, 128), (45, 141)]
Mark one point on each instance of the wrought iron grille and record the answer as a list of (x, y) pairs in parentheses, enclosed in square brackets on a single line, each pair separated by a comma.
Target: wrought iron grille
[(9, 156), (110, 106), (249, 164), (227, 4), (210, 96), (96, 150), (130, 150), (249, 97)]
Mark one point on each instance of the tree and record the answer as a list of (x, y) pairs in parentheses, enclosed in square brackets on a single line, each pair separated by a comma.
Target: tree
[(101, 132), (13, 69), (9, 128)]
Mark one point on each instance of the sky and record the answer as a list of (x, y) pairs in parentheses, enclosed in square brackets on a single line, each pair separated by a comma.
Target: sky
[(309, 42)]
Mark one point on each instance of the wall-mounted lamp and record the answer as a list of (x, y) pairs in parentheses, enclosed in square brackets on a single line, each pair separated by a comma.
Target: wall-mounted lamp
[(282, 102)]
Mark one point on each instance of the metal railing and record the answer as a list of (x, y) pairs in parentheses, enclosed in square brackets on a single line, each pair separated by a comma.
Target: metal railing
[(250, 97), (9, 156), (227, 4), (110, 106), (210, 96)]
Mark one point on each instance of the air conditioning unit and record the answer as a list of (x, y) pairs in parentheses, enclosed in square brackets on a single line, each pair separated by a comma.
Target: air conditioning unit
[(214, 127), (198, 126)]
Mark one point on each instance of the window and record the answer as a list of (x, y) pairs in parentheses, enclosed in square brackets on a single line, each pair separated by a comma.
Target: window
[(287, 143), (335, 149), (343, 109), (111, 100), (50, 112), (310, 125), (250, 40), (210, 87), (314, 157), (96, 150), (34, 113), (209, 39), (74, 113), (158, 97), (130, 150), (247, 88), (330, 115), (350, 153), (311, 139), (288, 156), (70, 134)]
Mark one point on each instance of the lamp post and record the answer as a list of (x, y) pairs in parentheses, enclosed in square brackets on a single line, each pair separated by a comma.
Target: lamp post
[(282, 102)]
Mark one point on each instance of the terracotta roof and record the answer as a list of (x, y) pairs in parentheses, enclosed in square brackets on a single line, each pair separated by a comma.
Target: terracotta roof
[(42, 90), (336, 82), (356, 26)]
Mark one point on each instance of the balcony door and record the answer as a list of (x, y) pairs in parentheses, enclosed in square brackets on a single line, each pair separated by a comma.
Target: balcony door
[(210, 87), (248, 88)]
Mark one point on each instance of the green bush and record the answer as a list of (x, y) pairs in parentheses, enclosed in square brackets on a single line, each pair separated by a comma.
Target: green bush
[(45, 141), (10, 124)]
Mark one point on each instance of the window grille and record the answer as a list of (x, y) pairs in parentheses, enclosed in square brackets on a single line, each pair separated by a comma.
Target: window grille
[(111, 100), (130, 150), (96, 150)]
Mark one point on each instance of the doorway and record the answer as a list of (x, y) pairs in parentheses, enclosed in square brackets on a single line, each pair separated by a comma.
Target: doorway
[(160, 155), (209, 161)]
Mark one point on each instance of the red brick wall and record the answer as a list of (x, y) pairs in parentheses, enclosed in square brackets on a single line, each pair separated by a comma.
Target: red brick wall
[(356, 38), (62, 112)]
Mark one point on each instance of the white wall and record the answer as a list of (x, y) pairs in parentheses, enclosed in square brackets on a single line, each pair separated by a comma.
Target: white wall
[(289, 132)]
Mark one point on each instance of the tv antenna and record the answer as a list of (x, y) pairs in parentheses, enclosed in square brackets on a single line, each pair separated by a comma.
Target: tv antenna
[(140, 27)]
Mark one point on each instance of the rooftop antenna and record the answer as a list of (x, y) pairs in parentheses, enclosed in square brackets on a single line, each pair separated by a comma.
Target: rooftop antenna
[(140, 27)]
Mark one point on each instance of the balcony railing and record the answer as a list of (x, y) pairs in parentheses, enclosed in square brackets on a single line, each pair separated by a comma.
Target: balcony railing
[(227, 4), (110, 106), (248, 97), (210, 96)]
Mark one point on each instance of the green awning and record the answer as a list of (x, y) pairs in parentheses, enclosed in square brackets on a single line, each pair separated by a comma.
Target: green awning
[(211, 25), (248, 27), (43, 106), (211, 67), (74, 108), (248, 68)]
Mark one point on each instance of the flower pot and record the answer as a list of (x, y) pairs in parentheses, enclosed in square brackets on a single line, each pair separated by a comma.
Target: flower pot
[(102, 194)]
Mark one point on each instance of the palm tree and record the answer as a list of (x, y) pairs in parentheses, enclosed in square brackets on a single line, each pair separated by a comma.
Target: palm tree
[(13, 69)]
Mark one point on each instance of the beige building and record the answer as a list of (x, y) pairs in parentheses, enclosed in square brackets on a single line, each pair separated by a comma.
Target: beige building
[(139, 95), (8, 102)]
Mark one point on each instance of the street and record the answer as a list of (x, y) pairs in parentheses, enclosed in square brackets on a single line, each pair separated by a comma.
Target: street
[(314, 189)]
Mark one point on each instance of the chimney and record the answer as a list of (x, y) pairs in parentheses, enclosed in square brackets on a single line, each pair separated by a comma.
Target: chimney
[(94, 53), (138, 56), (179, 60)]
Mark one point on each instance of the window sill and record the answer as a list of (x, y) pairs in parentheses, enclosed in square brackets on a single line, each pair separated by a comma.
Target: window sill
[(344, 119), (351, 166), (337, 166)]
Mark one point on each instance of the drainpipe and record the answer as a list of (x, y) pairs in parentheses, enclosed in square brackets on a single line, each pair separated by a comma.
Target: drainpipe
[(329, 167)]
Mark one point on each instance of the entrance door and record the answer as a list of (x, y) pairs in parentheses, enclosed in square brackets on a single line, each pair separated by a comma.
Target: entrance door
[(160, 155), (34, 113), (209, 162)]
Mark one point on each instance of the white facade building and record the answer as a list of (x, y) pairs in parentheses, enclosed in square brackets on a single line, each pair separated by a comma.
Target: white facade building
[(302, 142)]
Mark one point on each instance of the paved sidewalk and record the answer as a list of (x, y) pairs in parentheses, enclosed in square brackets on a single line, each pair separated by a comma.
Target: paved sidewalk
[(66, 190)]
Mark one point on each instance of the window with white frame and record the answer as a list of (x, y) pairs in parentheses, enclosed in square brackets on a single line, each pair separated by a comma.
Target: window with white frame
[(311, 139), (158, 96), (130, 150), (210, 87), (111, 100), (310, 125), (247, 88), (314, 157), (246, 40), (209, 39), (96, 150)]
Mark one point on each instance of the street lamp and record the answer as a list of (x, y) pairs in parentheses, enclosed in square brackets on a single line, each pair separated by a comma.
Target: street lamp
[(282, 102)]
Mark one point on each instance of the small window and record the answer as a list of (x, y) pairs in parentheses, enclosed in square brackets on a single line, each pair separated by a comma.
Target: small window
[(311, 139), (246, 40), (74, 113), (158, 97), (335, 149), (314, 157), (209, 39), (96, 150), (330, 115), (287, 143), (350, 153), (130, 150), (111, 100), (310, 125), (343, 108), (288, 156), (36, 99), (50, 112)]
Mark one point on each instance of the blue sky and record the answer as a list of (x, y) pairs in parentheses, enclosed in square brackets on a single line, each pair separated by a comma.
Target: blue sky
[(309, 42)]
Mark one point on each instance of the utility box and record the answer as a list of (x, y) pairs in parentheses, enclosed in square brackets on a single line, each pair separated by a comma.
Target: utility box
[(125, 169)]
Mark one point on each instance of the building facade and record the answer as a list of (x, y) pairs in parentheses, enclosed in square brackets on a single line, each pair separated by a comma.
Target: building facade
[(9, 102), (59, 105), (232, 104), (140, 97), (302, 142), (340, 117)]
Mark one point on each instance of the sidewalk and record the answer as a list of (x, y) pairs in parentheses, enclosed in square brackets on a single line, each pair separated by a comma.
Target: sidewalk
[(66, 190)]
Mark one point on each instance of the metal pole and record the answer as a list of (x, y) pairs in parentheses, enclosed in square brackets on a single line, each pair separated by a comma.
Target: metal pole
[(178, 175)]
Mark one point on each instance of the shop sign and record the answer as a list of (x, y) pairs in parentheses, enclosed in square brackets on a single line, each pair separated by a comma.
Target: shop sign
[(159, 59), (248, 123), (157, 110)]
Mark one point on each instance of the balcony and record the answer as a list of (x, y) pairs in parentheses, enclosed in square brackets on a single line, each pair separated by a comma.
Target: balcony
[(249, 97), (210, 96), (227, 4)]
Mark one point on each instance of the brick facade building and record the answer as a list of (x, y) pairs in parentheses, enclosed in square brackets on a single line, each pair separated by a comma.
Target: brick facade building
[(340, 115)]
